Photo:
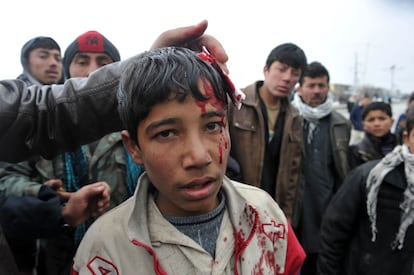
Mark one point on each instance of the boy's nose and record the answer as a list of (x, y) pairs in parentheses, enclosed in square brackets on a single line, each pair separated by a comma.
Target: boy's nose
[(196, 154), (92, 68)]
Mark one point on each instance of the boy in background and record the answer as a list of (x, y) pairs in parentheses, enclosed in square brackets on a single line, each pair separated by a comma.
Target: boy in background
[(378, 140), (367, 228)]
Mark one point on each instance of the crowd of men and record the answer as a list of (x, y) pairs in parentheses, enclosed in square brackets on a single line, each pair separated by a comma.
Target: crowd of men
[(266, 178)]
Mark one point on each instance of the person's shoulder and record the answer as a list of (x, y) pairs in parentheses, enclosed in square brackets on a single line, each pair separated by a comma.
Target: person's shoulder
[(110, 139), (365, 168), (402, 116), (339, 117), (338, 120), (356, 109), (255, 196), (113, 220), (250, 92), (243, 187)]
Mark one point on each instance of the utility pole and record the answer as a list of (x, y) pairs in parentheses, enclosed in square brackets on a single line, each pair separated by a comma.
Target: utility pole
[(356, 80), (392, 71)]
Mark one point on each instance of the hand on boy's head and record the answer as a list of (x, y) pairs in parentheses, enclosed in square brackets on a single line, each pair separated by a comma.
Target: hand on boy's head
[(193, 37)]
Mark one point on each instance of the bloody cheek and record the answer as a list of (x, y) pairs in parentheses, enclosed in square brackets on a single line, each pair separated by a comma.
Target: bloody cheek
[(223, 146)]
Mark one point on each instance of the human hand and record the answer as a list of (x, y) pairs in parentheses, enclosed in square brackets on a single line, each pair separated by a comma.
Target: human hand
[(57, 185), (193, 37), (91, 200)]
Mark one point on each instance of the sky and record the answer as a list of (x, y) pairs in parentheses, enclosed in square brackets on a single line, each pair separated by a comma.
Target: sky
[(359, 41)]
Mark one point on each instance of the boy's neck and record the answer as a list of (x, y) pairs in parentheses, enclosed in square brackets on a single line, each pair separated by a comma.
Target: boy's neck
[(269, 100)]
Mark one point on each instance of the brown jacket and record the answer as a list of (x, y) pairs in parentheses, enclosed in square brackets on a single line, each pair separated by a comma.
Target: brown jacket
[(247, 131)]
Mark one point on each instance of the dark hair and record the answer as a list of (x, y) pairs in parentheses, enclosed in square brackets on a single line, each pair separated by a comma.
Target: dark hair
[(160, 75), (289, 54), (410, 120), (313, 70), (377, 106)]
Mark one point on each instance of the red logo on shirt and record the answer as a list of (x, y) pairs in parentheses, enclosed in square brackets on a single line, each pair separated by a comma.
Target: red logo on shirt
[(274, 230), (101, 266)]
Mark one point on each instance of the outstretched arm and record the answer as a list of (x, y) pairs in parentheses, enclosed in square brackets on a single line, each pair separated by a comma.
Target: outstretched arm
[(43, 216), (51, 119)]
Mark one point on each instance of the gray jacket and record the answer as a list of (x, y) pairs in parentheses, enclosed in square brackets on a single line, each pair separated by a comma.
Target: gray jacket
[(51, 119)]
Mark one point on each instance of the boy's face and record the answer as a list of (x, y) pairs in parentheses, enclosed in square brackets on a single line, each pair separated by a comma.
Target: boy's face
[(377, 123), (184, 147), (314, 91), (84, 63), (46, 65), (280, 79)]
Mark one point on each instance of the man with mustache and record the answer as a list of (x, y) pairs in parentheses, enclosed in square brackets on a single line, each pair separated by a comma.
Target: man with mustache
[(41, 61), (326, 135)]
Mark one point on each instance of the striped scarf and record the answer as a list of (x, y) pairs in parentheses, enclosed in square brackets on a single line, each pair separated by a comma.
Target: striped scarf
[(399, 155)]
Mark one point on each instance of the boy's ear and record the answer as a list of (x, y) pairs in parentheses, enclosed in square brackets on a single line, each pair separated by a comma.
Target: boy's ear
[(132, 147), (405, 137), (299, 90), (265, 70)]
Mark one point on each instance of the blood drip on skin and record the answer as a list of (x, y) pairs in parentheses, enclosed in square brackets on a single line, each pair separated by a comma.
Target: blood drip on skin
[(216, 103), (212, 99)]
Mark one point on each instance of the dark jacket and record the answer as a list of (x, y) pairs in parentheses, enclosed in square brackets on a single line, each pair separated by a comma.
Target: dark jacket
[(23, 219), (31, 217), (370, 148), (346, 246), (52, 119), (356, 117), (339, 131)]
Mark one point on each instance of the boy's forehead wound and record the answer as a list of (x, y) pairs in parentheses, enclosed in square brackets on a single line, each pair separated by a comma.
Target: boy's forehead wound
[(235, 94), (212, 98)]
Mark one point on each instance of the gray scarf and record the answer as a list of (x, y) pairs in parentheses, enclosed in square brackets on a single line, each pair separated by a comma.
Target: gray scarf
[(313, 114), (389, 162)]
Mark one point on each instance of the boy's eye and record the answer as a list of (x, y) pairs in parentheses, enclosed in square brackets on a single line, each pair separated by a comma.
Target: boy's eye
[(282, 69), (101, 64), (215, 126), (164, 134), (296, 73)]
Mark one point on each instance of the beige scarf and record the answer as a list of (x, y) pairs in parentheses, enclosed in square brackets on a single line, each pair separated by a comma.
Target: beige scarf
[(313, 114)]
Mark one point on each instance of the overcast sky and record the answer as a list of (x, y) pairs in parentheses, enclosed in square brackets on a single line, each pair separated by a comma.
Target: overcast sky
[(347, 36)]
